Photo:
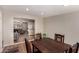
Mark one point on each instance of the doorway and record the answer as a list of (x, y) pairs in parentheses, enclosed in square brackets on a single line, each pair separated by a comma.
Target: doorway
[(23, 28)]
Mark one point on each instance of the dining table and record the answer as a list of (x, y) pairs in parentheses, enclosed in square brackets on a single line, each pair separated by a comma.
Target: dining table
[(50, 46)]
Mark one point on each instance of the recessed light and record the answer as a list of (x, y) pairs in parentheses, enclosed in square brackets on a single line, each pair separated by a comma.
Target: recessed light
[(27, 9)]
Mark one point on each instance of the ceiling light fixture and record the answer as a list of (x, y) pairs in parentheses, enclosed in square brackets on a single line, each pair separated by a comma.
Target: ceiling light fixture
[(27, 9)]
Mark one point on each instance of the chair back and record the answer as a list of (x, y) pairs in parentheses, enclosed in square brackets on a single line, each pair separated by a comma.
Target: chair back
[(59, 37), (38, 36), (28, 46)]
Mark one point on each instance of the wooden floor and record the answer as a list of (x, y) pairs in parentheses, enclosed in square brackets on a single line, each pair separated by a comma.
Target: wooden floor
[(15, 48), (20, 45), (22, 48)]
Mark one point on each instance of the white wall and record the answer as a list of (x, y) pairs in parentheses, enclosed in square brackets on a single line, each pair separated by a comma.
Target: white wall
[(0, 31), (67, 24), (7, 29), (8, 18)]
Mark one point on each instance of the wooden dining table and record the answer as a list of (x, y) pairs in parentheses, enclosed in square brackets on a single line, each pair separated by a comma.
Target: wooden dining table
[(50, 46)]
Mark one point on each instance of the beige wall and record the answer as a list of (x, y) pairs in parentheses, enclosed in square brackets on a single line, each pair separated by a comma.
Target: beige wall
[(8, 18), (67, 24), (0, 31)]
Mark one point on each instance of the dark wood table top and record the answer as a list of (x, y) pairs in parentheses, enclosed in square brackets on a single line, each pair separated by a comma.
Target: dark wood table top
[(50, 46)]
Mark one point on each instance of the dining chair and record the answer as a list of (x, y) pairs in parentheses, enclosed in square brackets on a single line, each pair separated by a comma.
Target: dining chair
[(59, 37), (76, 48), (28, 46), (38, 36), (73, 49)]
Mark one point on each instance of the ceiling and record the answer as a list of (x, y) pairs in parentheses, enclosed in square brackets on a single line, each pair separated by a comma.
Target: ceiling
[(46, 10)]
